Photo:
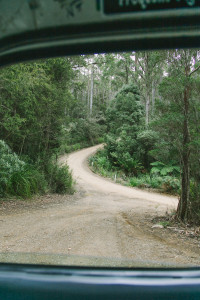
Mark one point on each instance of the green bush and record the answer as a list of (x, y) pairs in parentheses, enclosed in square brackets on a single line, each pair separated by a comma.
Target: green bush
[(146, 181), (60, 179), (18, 178), (100, 140), (171, 184), (125, 119), (76, 147), (100, 162), (163, 169), (102, 165), (26, 182), (84, 131), (167, 184), (72, 148)]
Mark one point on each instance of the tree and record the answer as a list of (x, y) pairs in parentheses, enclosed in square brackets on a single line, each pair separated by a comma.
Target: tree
[(148, 75), (124, 118), (33, 96), (176, 112)]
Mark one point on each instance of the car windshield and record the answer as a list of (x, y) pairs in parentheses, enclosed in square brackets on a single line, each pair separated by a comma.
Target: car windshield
[(100, 160), (99, 140)]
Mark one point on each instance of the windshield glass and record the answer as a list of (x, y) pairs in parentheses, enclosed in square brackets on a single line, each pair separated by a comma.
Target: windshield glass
[(100, 160)]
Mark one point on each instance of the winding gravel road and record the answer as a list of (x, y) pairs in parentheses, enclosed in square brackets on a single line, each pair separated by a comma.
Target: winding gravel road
[(102, 224)]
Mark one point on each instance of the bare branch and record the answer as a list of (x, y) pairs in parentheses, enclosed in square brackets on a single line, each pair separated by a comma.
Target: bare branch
[(195, 70)]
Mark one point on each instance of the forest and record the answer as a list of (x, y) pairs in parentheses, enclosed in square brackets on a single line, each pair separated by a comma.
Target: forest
[(144, 107)]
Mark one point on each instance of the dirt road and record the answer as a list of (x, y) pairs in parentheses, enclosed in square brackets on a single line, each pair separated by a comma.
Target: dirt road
[(103, 219)]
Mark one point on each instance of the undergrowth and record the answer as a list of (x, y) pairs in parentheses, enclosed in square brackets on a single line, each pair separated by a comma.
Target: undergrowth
[(60, 179), (21, 179), (164, 183)]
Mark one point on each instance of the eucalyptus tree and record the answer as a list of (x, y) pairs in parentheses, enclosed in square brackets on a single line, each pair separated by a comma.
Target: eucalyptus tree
[(32, 105), (125, 120), (149, 70), (179, 108)]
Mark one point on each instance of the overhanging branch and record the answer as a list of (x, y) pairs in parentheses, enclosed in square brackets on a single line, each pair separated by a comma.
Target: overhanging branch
[(195, 70)]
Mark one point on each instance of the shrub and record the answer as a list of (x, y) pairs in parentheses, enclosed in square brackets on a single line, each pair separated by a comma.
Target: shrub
[(171, 184), (102, 165), (134, 181), (18, 178), (75, 147), (60, 179), (100, 140), (167, 184), (146, 181), (163, 169), (26, 182), (83, 130), (72, 148), (125, 119), (100, 162)]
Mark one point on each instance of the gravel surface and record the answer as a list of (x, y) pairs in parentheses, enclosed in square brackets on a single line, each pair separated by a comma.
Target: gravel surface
[(103, 223)]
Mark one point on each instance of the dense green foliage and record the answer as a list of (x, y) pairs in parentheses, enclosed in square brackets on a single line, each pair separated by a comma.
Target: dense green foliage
[(130, 147), (40, 118), (18, 178), (145, 104), (164, 183), (177, 122), (60, 179), (124, 118), (160, 149)]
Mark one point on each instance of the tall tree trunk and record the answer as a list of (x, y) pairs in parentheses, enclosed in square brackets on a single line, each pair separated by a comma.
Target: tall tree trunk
[(153, 96), (127, 71), (185, 178), (147, 109), (136, 62), (91, 89), (88, 94), (148, 89)]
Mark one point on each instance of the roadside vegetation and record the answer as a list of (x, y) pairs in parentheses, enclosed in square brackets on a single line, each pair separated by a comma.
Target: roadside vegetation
[(169, 184), (128, 155), (143, 105), (152, 138), (42, 117)]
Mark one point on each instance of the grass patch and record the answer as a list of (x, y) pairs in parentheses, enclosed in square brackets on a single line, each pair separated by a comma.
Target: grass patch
[(166, 184), (165, 224), (25, 183)]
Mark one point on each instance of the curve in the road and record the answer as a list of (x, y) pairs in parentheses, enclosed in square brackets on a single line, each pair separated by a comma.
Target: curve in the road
[(77, 162)]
